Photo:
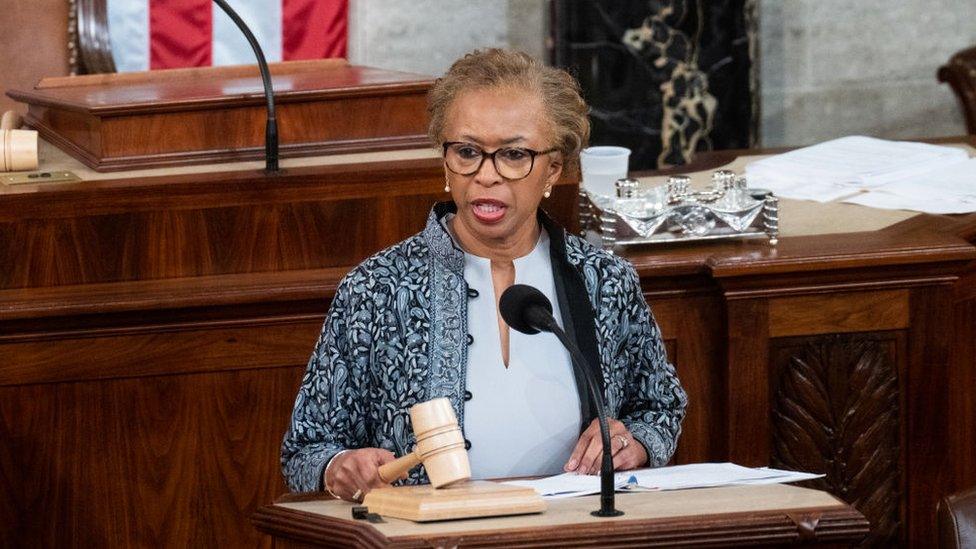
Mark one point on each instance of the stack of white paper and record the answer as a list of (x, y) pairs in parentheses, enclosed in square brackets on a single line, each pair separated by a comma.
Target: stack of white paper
[(949, 189), (678, 477), (846, 166)]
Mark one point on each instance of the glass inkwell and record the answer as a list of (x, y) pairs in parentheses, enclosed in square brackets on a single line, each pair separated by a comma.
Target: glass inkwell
[(674, 212)]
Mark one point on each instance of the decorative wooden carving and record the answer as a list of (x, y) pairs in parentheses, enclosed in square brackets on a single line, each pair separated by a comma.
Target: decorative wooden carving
[(835, 410)]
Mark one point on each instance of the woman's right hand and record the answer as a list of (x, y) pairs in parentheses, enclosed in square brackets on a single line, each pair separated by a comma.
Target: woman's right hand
[(355, 472)]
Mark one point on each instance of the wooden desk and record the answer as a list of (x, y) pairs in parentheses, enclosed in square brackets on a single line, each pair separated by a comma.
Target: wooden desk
[(717, 517), (154, 327)]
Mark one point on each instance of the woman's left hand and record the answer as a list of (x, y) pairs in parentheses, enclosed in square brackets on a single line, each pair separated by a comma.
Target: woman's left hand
[(588, 454)]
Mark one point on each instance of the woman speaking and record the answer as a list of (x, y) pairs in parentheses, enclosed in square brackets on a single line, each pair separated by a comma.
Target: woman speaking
[(420, 320)]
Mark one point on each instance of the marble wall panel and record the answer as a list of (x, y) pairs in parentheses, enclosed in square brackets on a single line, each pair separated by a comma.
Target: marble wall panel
[(426, 36), (827, 67), (835, 67)]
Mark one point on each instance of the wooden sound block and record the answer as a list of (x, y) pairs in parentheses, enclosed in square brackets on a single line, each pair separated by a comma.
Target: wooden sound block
[(470, 499)]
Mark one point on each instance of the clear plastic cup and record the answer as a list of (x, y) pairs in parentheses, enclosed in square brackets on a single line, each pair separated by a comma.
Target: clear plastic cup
[(602, 167)]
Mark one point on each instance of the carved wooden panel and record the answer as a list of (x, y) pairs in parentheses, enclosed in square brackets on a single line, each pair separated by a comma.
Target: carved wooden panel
[(836, 410)]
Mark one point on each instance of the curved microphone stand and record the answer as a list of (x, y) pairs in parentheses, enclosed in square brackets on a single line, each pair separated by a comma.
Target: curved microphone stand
[(529, 311), (271, 129), (607, 507)]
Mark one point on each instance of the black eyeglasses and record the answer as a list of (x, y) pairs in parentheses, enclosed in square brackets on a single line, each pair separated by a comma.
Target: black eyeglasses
[(510, 162)]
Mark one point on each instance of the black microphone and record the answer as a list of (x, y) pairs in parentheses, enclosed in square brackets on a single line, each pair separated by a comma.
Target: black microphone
[(527, 310), (271, 128)]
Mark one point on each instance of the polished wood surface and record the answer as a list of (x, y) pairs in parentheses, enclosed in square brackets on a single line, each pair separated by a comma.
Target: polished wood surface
[(838, 313), (736, 515), (117, 122), (155, 330)]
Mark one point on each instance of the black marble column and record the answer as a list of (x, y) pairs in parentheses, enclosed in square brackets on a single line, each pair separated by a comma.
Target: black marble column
[(665, 78)]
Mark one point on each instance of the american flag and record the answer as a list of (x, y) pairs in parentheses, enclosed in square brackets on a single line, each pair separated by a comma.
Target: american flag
[(166, 34)]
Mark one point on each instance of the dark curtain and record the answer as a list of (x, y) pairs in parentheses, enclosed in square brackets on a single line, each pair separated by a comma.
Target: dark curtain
[(665, 78)]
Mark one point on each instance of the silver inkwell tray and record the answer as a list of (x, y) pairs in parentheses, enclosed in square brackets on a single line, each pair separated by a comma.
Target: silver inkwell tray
[(676, 213)]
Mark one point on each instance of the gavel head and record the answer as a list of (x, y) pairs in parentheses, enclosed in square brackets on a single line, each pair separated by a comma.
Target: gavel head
[(18, 148), (440, 444)]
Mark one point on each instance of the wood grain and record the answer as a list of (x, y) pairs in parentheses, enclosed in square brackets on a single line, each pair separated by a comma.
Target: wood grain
[(260, 345), (748, 382), (929, 427), (691, 328), (224, 223), (838, 313), (131, 122), (706, 517), (962, 368), (142, 318), (134, 459), (190, 73)]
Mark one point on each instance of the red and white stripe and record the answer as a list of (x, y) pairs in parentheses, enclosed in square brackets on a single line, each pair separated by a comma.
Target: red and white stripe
[(167, 34)]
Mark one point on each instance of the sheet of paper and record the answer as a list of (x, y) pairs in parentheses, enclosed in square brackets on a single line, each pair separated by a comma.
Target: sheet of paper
[(695, 475), (568, 485), (841, 167), (781, 476), (857, 160), (698, 475), (957, 179), (933, 204), (801, 191)]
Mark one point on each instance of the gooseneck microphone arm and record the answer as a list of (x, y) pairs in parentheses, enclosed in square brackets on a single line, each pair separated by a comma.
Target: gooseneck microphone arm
[(271, 129), (527, 310), (607, 508)]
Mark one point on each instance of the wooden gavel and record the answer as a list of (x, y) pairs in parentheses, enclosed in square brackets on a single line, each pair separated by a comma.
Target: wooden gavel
[(440, 446), (18, 148)]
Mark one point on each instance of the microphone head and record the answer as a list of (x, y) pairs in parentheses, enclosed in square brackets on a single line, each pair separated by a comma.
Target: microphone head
[(525, 309)]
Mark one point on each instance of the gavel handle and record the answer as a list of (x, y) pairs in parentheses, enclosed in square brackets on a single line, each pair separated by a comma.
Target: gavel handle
[(395, 469), (10, 121)]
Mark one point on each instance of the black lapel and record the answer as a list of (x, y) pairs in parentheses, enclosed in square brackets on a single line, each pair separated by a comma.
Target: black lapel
[(576, 312)]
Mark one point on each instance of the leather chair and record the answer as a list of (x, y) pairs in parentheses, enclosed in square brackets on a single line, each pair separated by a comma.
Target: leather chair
[(960, 74), (957, 520)]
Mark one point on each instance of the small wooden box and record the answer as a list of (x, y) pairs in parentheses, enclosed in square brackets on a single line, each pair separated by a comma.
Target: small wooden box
[(214, 114)]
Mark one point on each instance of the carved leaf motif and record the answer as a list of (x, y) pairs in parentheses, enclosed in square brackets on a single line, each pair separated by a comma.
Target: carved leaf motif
[(835, 411)]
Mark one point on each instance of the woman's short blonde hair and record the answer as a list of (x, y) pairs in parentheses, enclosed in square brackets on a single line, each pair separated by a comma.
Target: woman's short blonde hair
[(498, 68)]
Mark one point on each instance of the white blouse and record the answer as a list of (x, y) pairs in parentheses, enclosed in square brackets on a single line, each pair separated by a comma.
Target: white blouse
[(525, 419)]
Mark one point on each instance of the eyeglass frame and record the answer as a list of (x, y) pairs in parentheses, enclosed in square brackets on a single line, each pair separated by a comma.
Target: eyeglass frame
[(485, 154)]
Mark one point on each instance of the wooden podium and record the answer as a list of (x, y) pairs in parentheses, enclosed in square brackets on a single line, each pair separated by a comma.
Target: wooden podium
[(733, 515), (177, 117), (145, 316)]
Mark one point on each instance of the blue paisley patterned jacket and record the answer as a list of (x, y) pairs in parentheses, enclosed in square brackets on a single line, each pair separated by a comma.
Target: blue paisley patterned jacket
[(396, 335)]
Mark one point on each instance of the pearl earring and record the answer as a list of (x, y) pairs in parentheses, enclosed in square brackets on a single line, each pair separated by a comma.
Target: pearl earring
[(447, 187), (547, 193)]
